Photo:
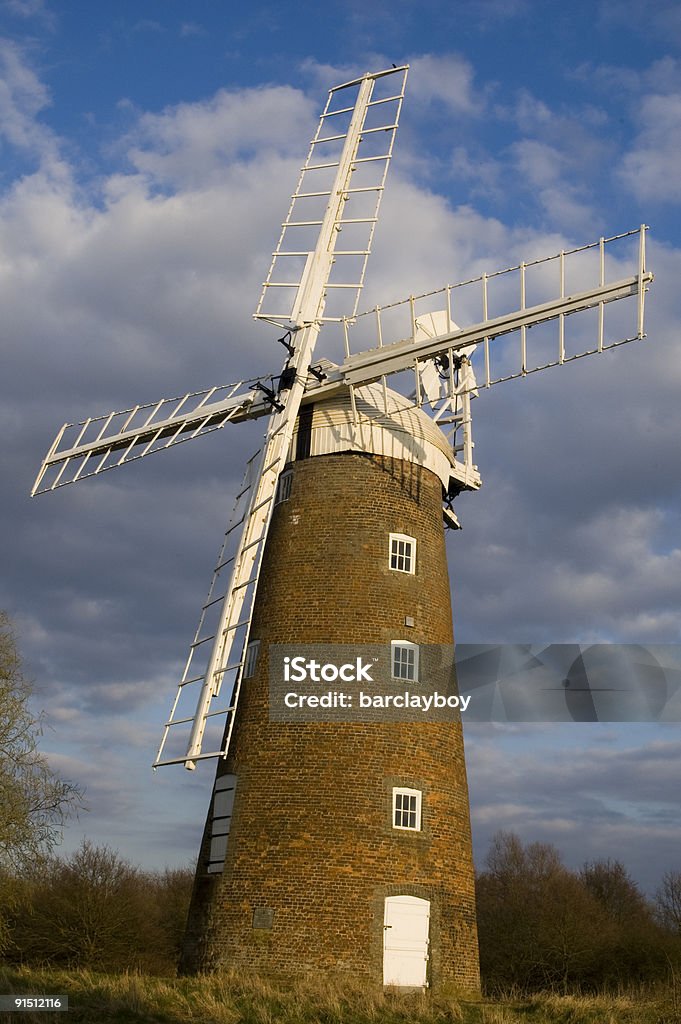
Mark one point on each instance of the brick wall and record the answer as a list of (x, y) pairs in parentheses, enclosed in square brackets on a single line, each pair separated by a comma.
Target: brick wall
[(312, 837)]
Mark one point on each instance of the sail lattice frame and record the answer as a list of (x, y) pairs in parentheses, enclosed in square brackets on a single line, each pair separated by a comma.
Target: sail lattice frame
[(291, 261)]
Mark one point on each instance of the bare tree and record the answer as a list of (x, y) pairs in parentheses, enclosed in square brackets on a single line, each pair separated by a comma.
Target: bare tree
[(538, 925), (542, 925), (34, 801), (616, 891), (635, 952), (84, 911), (96, 910), (668, 901)]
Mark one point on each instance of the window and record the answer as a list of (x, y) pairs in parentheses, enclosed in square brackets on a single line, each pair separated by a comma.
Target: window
[(402, 553), (284, 487), (251, 659), (407, 809), (223, 803), (405, 660)]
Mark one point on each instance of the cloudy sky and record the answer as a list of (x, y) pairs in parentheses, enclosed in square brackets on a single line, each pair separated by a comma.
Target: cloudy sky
[(147, 155)]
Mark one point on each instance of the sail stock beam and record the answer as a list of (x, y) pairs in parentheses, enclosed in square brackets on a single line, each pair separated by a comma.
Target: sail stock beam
[(121, 437), (231, 620), (452, 341), (365, 367)]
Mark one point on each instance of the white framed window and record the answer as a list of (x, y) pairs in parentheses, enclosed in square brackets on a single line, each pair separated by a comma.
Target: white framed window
[(404, 660), (402, 553), (283, 487), (407, 809), (251, 659), (223, 804)]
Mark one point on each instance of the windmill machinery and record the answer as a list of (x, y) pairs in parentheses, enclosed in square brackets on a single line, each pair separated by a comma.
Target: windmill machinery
[(335, 844)]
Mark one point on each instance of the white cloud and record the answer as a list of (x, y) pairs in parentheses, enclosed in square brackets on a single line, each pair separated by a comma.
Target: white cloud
[(484, 176), (625, 83), (540, 163), (147, 25), (191, 28), (445, 80), (195, 144), (22, 97), (528, 111), (591, 800), (662, 17), (30, 9), (548, 172), (448, 80), (651, 169), (559, 155)]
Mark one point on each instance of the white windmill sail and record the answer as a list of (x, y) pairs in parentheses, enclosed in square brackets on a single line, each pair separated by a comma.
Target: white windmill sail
[(101, 443), (333, 193), (607, 277), (343, 150), (399, 355)]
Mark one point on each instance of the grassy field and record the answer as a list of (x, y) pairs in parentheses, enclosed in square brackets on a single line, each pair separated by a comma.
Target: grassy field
[(236, 999)]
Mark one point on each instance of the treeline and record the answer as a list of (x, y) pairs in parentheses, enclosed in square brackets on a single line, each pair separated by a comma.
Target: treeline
[(94, 910), (542, 926)]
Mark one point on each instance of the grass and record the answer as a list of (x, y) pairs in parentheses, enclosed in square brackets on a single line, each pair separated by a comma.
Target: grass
[(233, 998)]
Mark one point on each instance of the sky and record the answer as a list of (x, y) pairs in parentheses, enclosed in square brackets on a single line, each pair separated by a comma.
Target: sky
[(147, 153)]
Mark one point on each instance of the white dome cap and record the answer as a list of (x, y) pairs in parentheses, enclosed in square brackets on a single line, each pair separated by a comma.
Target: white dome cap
[(403, 432)]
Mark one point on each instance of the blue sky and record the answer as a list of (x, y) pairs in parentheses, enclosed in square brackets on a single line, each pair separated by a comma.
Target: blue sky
[(146, 155)]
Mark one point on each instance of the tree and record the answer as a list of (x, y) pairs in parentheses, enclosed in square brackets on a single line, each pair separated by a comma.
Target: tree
[(538, 926), (634, 950), (84, 911), (96, 910), (611, 884), (668, 901), (171, 891), (34, 801), (541, 925)]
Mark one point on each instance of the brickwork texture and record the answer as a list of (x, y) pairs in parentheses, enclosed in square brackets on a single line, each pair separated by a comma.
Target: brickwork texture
[(312, 852)]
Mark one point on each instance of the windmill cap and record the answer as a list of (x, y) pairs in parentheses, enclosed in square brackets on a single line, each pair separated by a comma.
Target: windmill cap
[(387, 424)]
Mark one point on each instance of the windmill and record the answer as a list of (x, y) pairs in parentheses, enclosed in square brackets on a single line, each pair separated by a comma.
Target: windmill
[(333, 844)]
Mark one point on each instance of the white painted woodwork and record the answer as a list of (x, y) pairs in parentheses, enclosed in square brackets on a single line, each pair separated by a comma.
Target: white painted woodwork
[(403, 432), (405, 941)]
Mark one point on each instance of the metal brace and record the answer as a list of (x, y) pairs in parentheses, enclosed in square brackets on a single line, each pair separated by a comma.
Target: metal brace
[(269, 394)]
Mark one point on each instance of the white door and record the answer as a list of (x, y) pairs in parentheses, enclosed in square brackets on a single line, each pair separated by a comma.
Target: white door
[(405, 941)]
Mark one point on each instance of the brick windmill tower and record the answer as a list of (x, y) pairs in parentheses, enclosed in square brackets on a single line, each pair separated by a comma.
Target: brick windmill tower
[(337, 841)]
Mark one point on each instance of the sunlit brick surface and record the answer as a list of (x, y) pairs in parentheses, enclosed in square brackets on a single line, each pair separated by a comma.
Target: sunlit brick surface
[(312, 837)]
